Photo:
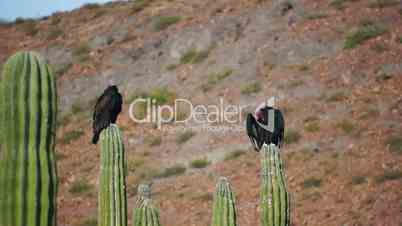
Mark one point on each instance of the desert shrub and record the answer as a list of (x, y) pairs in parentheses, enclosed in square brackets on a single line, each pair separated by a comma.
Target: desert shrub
[(395, 144), (28, 26), (362, 34), (312, 126), (219, 76), (383, 3), (172, 171), (251, 88), (54, 33), (389, 175), (80, 187), (71, 136), (356, 180), (199, 163), (312, 183), (162, 96), (163, 22), (234, 155), (291, 136), (139, 5), (91, 6), (89, 222), (171, 67), (81, 52), (192, 56), (184, 136), (153, 140), (346, 126), (336, 96)]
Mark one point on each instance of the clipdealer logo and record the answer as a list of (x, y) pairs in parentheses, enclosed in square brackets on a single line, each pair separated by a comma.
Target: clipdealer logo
[(205, 115)]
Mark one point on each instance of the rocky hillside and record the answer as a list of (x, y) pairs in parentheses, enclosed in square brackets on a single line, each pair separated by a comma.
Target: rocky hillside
[(335, 67)]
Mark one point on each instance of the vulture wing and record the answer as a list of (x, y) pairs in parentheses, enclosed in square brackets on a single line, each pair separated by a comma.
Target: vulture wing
[(102, 115), (252, 131)]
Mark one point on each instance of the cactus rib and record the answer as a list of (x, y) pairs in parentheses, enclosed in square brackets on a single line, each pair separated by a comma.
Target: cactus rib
[(224, 208), (274, 195), (112, 195), (28, 181)]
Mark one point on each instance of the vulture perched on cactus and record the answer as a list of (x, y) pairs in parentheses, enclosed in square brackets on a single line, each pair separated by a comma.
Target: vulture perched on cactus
[(265, 126), (107, 108)]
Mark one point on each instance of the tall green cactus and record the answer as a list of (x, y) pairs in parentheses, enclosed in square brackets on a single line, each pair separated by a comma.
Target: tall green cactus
[(112, 196), (145, 214), (224, 209), (28, 106), (275, 199)]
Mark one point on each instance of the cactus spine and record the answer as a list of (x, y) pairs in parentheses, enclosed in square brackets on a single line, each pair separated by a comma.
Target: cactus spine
[(112, 195), (145, 214), (28, 181), (224, 209), (275, 198)]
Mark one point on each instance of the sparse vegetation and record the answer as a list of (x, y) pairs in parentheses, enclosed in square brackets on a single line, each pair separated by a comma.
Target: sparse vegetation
[(61, 69), (55, 20), (379, 48), (383, 3), (71, 136), (81, 52), (251, 88), (162, 96), (153, 140), (76, 108), (234, 155), (337, 96), (172, 171), (312, 126), (296, 83), (194, 56), (199, 163), (171, 67), (389, 175), (395, 144), (91, 6), (139, 5), (362, 34), (217, 77), (311, 118), (204, 196), (316, 16), (163, 22), (100, 12), (89, 222), (184, 136), (64, 120), (54, 33), (28, 26), (292, 136), (346, 126), (312, 183), (356, 180), (80, 187), (134, 163), (338, 4)]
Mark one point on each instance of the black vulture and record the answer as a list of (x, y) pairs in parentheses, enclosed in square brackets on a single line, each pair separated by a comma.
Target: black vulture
[(267, 126), (107, 108)]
